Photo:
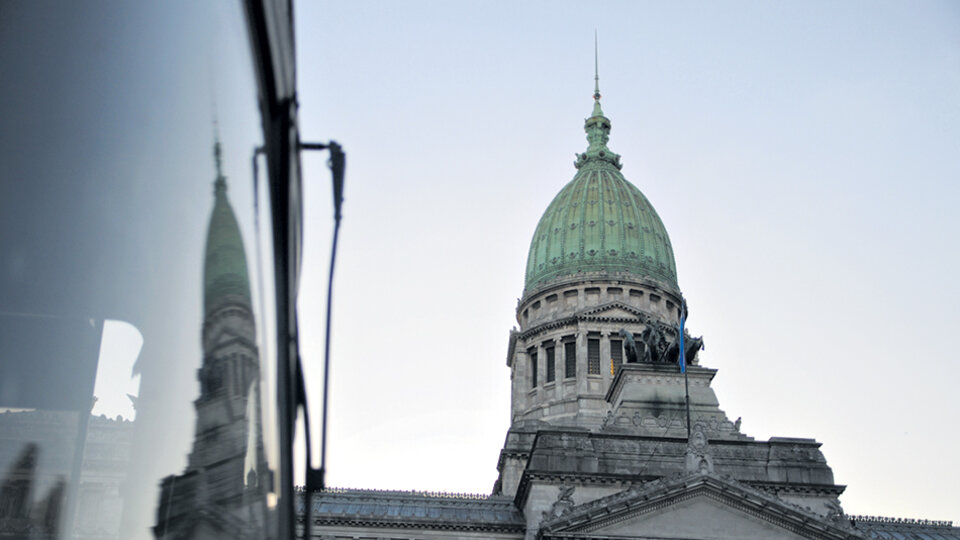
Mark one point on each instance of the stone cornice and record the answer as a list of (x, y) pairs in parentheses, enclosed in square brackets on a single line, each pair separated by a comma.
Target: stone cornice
[(656, 370), (398, 494), (417, 524), (628, 457), (661, 494), (599, 278), (540, 328), (596, 479), (341, 507), (235, 338), (505, 454), (810, 444), (790, 488), (595, 314)]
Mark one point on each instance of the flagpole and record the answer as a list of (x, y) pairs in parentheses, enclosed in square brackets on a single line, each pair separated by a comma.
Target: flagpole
[(683, 365)]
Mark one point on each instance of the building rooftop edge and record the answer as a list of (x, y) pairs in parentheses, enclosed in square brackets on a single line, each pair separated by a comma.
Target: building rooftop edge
[(408, 493)]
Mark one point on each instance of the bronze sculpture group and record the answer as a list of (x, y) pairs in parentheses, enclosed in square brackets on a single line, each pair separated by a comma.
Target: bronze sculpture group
[(652, 346)]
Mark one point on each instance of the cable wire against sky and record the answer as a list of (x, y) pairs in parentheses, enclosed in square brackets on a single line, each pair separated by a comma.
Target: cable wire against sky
[(316, 478)]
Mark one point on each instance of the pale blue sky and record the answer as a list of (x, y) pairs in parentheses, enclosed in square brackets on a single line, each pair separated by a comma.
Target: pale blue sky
[(803, 157)]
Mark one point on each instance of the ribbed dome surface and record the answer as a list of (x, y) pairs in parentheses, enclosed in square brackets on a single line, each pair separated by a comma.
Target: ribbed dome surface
[(600, 222), (225, 276)]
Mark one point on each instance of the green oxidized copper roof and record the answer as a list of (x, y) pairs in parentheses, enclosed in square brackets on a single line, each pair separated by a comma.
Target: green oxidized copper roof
[(225, 276), (600, 222)]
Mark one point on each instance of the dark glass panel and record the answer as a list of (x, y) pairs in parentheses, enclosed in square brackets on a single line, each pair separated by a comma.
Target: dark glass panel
[(551, 365), (137, 359), (570, 359), (533, 368), (593, 356), (616, 352)]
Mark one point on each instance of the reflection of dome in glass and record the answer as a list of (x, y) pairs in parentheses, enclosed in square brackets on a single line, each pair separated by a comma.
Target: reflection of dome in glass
[(600, 223), (225, 278)]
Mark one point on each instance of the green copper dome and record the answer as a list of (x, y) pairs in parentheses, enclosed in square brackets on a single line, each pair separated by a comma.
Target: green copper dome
[(600, 223), (225, 278)]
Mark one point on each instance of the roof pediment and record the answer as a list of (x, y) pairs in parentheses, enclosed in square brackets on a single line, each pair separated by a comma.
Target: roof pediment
[(612, 311), (692, 507)]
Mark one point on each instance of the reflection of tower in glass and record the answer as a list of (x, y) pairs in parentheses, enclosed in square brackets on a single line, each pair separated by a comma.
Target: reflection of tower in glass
[(222, 492), (20, 516)]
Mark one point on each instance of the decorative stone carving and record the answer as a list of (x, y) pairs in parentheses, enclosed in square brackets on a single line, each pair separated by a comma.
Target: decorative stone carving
[(835, 514), (698, 451), (562, 505)]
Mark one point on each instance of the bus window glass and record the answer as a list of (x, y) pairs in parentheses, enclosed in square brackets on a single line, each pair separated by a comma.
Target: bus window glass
[(137, 339)]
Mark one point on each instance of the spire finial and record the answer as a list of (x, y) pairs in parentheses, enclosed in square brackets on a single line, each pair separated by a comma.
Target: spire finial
[(598, 125), (597, 111), (596, 69), (220, 184)]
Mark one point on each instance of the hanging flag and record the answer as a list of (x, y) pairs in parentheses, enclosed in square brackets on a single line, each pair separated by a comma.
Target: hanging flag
[(681, 356)]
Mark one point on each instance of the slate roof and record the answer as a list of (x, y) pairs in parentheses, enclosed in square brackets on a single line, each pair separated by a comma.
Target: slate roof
[(905, 529), (415, 509)]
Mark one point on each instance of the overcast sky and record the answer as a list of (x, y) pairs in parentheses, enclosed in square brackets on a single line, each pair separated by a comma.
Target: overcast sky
[(804, 158)]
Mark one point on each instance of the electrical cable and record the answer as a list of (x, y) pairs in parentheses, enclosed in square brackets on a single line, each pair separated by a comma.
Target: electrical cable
[(337, 164), (316, 478)]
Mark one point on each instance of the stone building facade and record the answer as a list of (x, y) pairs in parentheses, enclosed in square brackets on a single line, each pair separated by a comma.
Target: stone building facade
[(615, 430)]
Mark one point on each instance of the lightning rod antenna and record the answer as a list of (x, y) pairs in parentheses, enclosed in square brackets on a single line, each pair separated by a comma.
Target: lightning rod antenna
[(596, 68)]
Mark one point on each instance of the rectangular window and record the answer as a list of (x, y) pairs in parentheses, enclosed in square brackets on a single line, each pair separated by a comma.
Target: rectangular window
[(570, 359), (616, 352), (551, 365), (593, 356), (533, 368)]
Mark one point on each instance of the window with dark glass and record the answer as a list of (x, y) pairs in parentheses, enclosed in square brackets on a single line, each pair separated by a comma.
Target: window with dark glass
[(114, 379), (593, 356), (616, 352), (533, 368), (551, 365), (570, 359)]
